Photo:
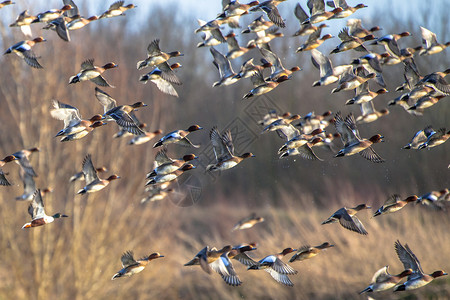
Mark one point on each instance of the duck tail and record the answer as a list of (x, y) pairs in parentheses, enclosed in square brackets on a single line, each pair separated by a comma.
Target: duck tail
[(192, 262), (210, 168), (335, 50), (144, 78), (81, 192), (335, 90), (152, 174), (403, 97), (248, 95), (157, 144), (367, 289), (61, 132), (141, 64), (117, 275), (74, 79), (150, 182), (27, 225), (399, 288), (350, 102), (284, 154), (328, 221), (340, 153), (391, 103), (282, 149), (377, 213)]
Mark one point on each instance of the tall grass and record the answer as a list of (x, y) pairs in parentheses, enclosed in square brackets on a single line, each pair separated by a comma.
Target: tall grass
[(75, 258)]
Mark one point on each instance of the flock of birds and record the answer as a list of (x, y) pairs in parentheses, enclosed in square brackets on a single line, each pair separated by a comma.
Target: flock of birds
[(419, 92), (219, 260)]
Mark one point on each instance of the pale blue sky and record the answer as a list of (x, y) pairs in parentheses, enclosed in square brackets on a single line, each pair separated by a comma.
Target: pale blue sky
[(377, 12), (208, 9)]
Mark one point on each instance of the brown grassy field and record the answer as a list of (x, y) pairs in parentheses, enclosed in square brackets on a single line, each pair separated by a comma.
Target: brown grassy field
[(75, 257)]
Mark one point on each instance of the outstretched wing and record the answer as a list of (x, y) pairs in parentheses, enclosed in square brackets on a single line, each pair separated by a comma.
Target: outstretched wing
[(281, 278), (90, 174), (352, 223), (64, 112), (87, 64), (392, 200), (371, 155), (36, 208), (105, 100), (342, 127), (408, 259), (127, 259), (153, 48), (221, 151), (162, 157), (381, 275)]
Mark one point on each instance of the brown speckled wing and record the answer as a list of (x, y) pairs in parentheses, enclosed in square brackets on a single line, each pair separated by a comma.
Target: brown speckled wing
[(281, 278), (371, 155), (281, 267), (105, 100), (246, 260), (274, 15), (36, 208), (3, 180), (116, 5), (87, 64), (153, 48), (168, 74), (99, 80), (307, 153), (31, 59), (126, 122), (406, 257), (90, 174), (127, 259), (352, 223)]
